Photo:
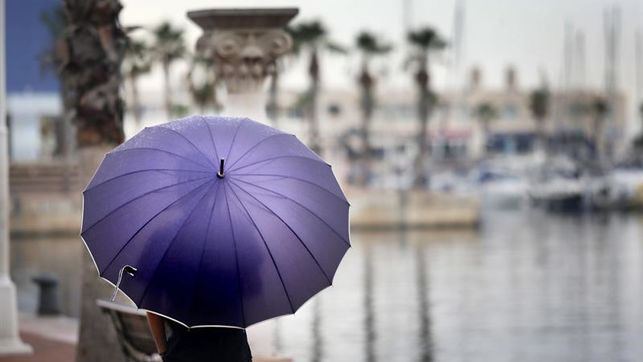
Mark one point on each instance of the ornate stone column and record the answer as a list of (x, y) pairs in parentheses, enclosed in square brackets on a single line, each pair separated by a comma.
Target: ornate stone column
[(244, 45), (10, 342)]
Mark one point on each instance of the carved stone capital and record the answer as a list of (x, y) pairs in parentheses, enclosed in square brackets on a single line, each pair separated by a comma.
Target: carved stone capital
[(244, 58), (244, 44)]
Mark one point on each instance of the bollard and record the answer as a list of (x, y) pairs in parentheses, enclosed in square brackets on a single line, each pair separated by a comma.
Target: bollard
[(48, 296)]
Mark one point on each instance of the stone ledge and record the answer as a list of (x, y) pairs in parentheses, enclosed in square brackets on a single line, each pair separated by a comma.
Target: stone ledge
[(382, 209)]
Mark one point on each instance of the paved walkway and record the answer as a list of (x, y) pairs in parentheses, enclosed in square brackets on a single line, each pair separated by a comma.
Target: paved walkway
[(45, 349), (54, 339)]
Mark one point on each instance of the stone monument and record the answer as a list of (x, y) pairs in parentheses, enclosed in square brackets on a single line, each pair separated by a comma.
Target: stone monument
[(244, 46)]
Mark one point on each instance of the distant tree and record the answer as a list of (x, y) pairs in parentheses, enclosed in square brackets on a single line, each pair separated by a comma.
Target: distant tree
[(312, 37), (486, 112), (370, 46), (539, 106), (50, 62), (202, 83), (90, 53), (137, 62), (425, 42), (168, 47)]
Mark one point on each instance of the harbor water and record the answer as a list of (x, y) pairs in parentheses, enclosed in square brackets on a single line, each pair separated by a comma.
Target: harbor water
[(526, 286)]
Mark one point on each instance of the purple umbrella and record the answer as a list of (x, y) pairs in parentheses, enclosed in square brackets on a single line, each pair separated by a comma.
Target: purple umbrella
[(225, 221)]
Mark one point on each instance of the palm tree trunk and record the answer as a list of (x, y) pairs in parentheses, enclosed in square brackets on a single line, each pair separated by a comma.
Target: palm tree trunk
[(313, 71), (167, 92), (93, 95), (315, 143), (424, 110), (367, 105), (97, 339), (273, 91), (542, 142), (486, 131), (137, 110)]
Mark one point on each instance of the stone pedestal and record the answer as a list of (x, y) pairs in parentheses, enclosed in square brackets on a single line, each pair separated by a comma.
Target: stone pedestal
[(244, 45), (10, 342)]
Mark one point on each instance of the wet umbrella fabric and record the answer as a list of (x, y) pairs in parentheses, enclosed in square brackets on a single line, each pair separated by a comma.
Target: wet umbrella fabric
[(233, 249)]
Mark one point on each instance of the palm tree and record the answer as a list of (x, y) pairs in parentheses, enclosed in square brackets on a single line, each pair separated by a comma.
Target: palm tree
[(204, 93), (137, 63), (486, 112), (425, 41), (312, 37), (90, 53), (369, 46), (54, 21), (169, 46), (539, 106)]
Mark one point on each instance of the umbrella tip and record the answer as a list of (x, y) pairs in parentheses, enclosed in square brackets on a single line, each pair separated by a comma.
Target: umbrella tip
[(220, 173)]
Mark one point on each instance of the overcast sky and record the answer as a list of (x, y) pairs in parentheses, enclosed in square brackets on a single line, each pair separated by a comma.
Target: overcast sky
[(525, 33)]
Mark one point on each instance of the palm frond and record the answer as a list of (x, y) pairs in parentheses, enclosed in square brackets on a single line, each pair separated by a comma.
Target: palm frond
[(336, 47), (426, 38), (138, 58), (370, 44), (169, 44)]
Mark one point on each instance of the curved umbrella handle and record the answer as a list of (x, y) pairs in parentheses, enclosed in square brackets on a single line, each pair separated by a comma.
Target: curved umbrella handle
[(129, 270)]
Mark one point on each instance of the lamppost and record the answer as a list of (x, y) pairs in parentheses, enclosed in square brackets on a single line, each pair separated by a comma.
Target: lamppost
[(244, 45), (10, 342)]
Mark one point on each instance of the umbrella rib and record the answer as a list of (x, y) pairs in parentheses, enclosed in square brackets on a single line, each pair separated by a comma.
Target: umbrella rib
[(146, 170), (140, 196), (190, 142), (267, 248), (291, 230), (183, 223), (233, 139), (164, 151), (236, 258), (304, 207), (257, 144), (295, 178), (207, 233), (189, 193), (278, 157), (214, 145)]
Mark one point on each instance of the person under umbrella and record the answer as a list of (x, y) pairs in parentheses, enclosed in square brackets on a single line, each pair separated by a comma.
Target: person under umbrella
[(175, 342), (217, 222)]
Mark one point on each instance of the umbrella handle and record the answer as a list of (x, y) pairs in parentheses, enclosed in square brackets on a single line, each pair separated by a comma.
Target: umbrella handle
[(220, 173), (129, 270)]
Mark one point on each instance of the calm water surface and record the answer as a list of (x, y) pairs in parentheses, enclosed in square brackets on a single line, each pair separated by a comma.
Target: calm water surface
[(526, 287)]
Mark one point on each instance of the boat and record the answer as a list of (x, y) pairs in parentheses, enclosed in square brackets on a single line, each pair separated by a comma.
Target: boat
[(503, 190), (621, 189), (560, 186)]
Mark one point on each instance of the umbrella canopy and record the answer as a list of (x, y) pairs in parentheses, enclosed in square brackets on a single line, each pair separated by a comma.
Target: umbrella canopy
[(227, 221)]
